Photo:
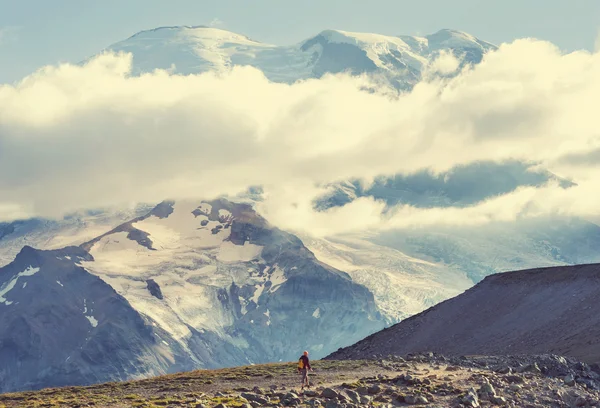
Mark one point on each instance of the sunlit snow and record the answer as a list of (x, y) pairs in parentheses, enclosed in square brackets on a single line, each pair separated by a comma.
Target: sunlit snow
[(7, 287)]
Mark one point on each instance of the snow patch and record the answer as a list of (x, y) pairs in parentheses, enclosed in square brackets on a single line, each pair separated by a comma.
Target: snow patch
[(230, 252), (92, 321), (257, 292), (7, 287), (60, 284), (225, 213), (317, 313), (205, 208), (277, 278), (243, 305)]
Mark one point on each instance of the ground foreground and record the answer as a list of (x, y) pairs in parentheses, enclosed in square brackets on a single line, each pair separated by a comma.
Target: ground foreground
[(425, 380)]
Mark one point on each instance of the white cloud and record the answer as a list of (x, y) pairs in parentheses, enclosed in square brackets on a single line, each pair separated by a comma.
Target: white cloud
[(88, 136), (215, 22), (446, 63)]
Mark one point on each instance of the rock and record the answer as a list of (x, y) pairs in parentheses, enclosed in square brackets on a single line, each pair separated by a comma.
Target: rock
[(365, 399), (353, 396), (486, 391), (330, 393), (470, 399), (498, 400), (515, 387), (514, 379), (362, 390), (504, 370), (332, 404), (259, 399), (569, 379), (310, 393), (374, 389), (221, 406)]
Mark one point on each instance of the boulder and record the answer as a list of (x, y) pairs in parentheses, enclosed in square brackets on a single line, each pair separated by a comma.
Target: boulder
[(330, 393)]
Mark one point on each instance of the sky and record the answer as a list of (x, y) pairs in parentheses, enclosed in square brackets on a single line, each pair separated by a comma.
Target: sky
[(76, 136), (34, 33)]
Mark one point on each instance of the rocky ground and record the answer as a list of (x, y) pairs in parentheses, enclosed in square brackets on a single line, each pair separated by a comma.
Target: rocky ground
[(425, 380)]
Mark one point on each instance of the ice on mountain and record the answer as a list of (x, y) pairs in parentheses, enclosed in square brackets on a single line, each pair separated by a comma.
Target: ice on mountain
[(277, 278), (92, 321), (205, 208), (7, 287), (257, 292), (230, 252), (225, 213)]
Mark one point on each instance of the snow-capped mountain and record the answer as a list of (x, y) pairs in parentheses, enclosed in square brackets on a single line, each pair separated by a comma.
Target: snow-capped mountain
[(185, 286), (71, 230), (401, 60)]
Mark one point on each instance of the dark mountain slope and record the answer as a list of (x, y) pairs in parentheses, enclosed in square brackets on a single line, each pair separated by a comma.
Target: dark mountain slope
[(61, 325), (549, 310)]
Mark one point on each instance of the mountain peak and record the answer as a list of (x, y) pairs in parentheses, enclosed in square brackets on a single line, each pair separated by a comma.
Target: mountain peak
[(449, 38), (185, 32)]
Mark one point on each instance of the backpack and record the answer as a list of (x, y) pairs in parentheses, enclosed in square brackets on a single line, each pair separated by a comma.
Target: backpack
[(300, 364)]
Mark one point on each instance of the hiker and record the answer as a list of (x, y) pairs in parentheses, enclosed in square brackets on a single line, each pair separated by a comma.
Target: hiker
[(303, 368)]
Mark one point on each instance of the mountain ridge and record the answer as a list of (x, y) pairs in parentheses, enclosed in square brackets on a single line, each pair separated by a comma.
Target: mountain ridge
[(400, 60), (536, 311)]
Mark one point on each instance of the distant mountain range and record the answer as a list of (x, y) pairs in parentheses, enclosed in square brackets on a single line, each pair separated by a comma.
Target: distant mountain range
[(399, 60)]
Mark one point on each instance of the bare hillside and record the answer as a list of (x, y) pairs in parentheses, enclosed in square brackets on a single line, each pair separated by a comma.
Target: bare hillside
[(549, 310)]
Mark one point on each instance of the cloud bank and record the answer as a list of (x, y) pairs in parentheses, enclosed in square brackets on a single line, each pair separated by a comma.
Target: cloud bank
[(88, 136)]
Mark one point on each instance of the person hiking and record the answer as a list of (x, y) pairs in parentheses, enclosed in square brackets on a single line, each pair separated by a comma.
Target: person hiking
[(303, 368)]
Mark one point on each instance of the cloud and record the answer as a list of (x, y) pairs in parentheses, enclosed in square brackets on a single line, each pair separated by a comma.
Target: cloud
[(87, 136), (216, 22), (445, 64)]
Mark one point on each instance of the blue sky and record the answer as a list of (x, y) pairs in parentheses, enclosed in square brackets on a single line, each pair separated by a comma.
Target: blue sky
[(34, 33)]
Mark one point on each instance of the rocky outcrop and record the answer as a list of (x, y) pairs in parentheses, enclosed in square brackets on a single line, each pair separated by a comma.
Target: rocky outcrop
[(548, 310)]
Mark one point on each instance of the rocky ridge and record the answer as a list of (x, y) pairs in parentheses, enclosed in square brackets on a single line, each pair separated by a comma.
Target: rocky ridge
[(545, 310)]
